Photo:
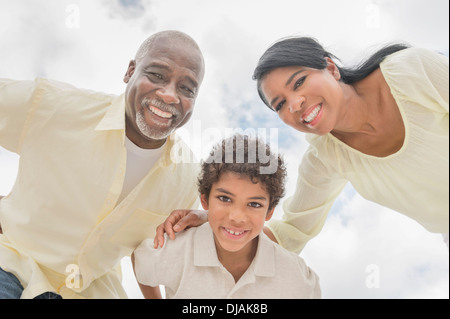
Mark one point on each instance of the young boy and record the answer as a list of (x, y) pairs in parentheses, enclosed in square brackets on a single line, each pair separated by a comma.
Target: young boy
[(229, 256)]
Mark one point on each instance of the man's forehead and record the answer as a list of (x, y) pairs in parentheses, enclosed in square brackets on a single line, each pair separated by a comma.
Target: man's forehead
[(173, 52)]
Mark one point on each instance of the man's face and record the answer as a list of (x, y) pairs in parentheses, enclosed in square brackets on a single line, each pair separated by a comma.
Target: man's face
[(161, 91)]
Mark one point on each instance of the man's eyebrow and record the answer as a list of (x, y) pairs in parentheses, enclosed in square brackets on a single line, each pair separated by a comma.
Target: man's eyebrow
[(157, 65)]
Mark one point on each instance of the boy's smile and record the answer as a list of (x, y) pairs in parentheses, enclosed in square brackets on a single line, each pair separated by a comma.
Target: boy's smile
[(237, 209)]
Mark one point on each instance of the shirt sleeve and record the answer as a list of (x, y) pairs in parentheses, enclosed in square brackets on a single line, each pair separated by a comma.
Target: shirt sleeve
[(161, 266), (306, 210), (420, 76), (16, 101), (145, 263)]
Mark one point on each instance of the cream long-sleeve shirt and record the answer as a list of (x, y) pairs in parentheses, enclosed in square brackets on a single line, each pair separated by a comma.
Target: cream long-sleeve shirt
[(414, 181), (64, 229)]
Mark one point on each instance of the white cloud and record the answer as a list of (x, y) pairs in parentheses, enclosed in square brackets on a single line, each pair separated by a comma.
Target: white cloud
[(89, 44)]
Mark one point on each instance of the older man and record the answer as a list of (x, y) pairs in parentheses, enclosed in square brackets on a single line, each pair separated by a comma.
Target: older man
[(96, 174)]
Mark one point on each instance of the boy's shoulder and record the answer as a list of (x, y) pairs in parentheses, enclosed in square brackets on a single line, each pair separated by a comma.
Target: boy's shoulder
[(282, 256), (185, 238)]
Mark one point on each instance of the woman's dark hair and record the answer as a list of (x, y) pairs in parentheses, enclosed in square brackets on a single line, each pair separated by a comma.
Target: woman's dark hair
[(308, 52)]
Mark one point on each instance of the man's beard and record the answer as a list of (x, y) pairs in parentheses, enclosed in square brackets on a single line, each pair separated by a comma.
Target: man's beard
[(153, 133)]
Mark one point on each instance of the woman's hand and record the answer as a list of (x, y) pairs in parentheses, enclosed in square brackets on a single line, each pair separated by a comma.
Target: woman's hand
[(177, 221)]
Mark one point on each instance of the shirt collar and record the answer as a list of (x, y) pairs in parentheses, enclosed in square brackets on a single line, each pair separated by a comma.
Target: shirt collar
[(114, 119), (205, 253)]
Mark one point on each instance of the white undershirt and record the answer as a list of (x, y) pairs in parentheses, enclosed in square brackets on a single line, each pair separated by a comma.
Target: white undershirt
[(139, 163)]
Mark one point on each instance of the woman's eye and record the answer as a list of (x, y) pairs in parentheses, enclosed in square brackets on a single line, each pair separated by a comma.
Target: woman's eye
[(299, 82), (279, 106)]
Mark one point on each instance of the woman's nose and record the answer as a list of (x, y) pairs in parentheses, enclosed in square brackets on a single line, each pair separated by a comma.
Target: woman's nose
[(296, 104)]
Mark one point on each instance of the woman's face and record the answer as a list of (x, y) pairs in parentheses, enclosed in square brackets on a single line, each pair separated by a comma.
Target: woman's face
[(306, 99)]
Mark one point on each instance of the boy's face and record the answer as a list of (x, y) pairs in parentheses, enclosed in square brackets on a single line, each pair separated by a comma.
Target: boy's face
[(237, 211)]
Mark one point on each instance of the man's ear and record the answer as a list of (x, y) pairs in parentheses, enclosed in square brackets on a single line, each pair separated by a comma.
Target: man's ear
[(204, 201), (130, 71), (270, 213)]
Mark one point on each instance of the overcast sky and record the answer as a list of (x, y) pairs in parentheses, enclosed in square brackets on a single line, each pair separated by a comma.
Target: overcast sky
[(364, 250)]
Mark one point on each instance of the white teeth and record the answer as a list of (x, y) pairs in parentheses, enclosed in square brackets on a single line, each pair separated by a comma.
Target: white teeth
[(234, 232), (160, 113), (313, 114)]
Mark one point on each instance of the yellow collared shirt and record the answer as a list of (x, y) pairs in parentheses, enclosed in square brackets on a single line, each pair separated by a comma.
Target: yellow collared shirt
[(64, 229)]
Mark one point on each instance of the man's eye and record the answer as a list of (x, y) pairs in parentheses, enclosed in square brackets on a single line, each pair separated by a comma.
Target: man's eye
[(188, 91), (155, 76)]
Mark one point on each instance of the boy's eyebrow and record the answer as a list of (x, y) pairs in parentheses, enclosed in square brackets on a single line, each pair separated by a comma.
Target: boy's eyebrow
[(224, 191), (230, 193)]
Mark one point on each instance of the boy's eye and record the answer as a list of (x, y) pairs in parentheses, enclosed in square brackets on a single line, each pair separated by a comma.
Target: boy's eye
[(255, 205), (224, 198)]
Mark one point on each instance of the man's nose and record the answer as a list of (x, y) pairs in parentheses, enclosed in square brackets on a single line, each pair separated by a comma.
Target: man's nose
[(168, 94)]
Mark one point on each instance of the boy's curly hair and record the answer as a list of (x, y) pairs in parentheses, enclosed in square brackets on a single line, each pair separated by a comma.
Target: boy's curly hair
[(242, 155)]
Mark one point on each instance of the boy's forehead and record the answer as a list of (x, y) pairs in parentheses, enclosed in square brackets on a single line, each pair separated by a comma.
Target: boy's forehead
[(232, 179)]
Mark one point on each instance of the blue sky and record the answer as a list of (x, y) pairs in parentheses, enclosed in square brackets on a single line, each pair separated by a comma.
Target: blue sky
[(89, 43)]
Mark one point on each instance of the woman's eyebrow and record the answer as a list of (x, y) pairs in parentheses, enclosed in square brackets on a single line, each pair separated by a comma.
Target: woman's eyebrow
[(292, 77), (287, 83)]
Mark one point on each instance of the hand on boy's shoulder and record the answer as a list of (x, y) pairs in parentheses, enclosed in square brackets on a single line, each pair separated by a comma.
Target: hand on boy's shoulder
[(178, 221)]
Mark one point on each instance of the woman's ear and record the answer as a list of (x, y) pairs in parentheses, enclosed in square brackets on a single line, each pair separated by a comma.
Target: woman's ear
[(333, 69), (204, 201), (130, 71), (270, 214)]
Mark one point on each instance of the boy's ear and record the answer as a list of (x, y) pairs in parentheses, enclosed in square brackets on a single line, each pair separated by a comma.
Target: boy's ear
[(204, 201), (270, 213)]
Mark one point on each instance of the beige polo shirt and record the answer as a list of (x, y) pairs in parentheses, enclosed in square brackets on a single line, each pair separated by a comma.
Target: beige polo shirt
[(189, 268)]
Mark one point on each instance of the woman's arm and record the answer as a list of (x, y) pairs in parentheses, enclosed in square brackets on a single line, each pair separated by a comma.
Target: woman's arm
[(305, 212), (178, 221)]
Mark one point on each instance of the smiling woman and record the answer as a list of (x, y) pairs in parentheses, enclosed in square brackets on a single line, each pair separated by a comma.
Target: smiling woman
[(383, 126)]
